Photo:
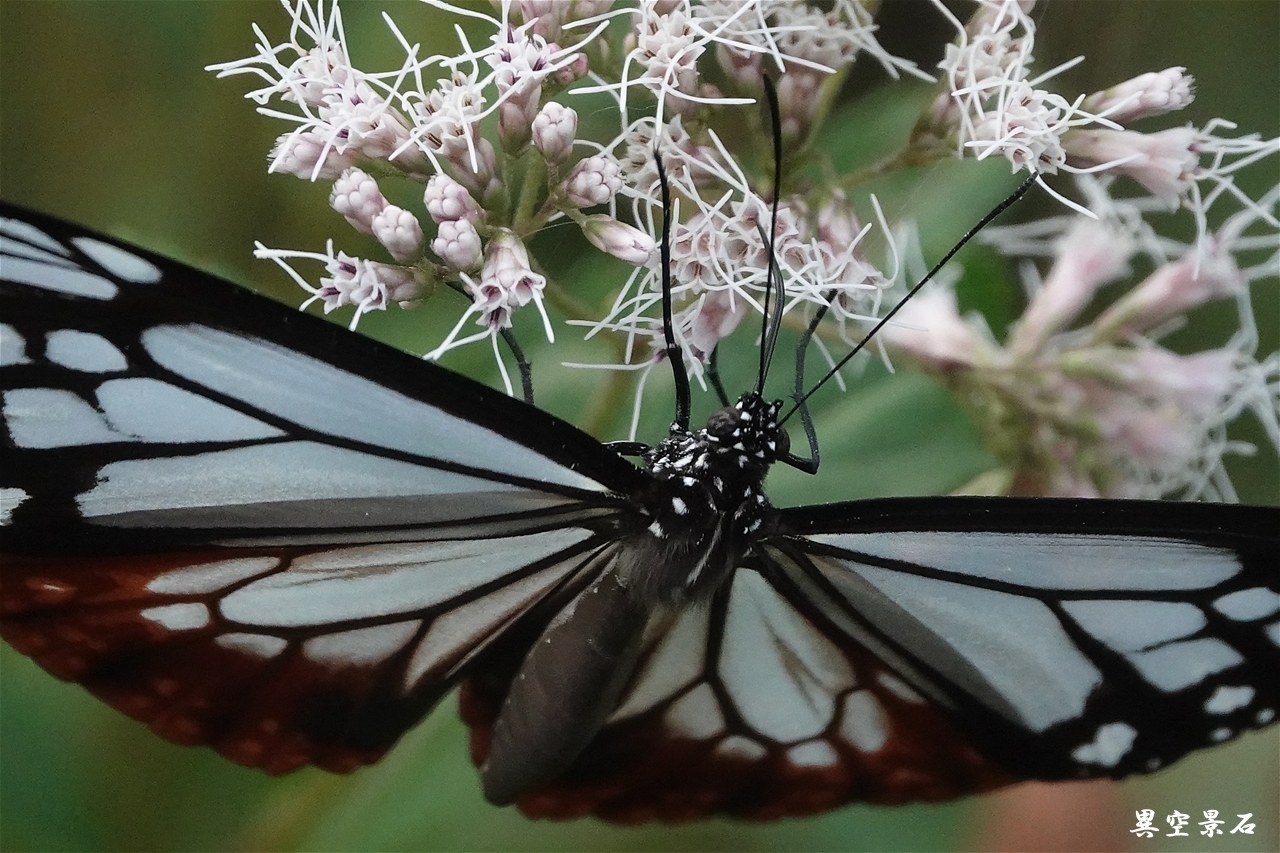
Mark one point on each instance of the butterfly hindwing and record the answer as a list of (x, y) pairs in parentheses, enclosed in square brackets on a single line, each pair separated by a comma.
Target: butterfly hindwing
[(754, 706), (923, 649), (252, 529), (1066, 638), (287, 656)]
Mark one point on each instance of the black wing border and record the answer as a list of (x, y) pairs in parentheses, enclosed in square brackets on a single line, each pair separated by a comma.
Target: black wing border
[(1252, 528)]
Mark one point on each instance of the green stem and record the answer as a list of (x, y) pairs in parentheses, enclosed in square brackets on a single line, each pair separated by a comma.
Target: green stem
[(523, 222)]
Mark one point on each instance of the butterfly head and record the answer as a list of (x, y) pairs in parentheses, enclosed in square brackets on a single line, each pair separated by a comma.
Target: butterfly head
[(747, 433)]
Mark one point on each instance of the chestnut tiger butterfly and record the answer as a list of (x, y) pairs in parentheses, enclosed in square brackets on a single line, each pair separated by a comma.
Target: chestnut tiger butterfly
[(256, 531)]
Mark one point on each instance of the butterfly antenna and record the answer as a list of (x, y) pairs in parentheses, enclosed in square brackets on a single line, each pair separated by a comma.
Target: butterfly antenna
[(883, 321), (674, 355), (773, 297)]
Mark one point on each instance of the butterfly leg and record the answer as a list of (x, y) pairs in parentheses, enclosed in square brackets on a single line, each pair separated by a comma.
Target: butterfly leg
[(526, 369)]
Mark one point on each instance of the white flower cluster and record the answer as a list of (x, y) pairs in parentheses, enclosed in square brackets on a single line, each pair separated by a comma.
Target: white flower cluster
[(1101, 408), (992, 106), (492, 138), (487, 196), (719, 252)]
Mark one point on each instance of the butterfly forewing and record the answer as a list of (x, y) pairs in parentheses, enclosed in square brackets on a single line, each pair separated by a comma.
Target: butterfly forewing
[(142, 394), (254, 530)]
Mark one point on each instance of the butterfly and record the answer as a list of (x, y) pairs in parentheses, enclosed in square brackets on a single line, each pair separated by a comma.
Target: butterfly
[(259, 532)]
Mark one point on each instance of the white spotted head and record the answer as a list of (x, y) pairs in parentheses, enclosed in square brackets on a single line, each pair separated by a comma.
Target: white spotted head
[(747, 432)]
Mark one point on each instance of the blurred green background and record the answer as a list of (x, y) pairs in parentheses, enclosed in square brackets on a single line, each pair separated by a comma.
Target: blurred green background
[(107, 118)]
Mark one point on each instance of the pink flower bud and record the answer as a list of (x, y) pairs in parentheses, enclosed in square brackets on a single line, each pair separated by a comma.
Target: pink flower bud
[(1164, 162), (618, 239), (447, 200), (930, 328), (714, 316), (516, 115), (506, 281), (356, 196), (593, 181), (403, 286), (1196, 384), (741, 66), (1088, 256), (367, 285), (554, 129), (308, 155), (1171, 290), (576, 69), (799, 99), (398, 230), (477, 181), (838, 225), (458, 244), (1150, 94)]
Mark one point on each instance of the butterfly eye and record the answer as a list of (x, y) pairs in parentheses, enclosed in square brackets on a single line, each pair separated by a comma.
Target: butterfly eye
[(783, 442), (723, 423)]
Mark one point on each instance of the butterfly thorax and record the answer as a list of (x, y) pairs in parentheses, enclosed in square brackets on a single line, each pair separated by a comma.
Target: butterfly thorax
[(707, 500)]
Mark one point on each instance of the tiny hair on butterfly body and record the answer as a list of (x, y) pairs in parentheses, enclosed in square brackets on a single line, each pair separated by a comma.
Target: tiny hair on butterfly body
[(203, 527)]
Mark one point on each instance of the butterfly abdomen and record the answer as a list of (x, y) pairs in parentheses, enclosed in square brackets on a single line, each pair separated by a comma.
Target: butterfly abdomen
[(569, 683)]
